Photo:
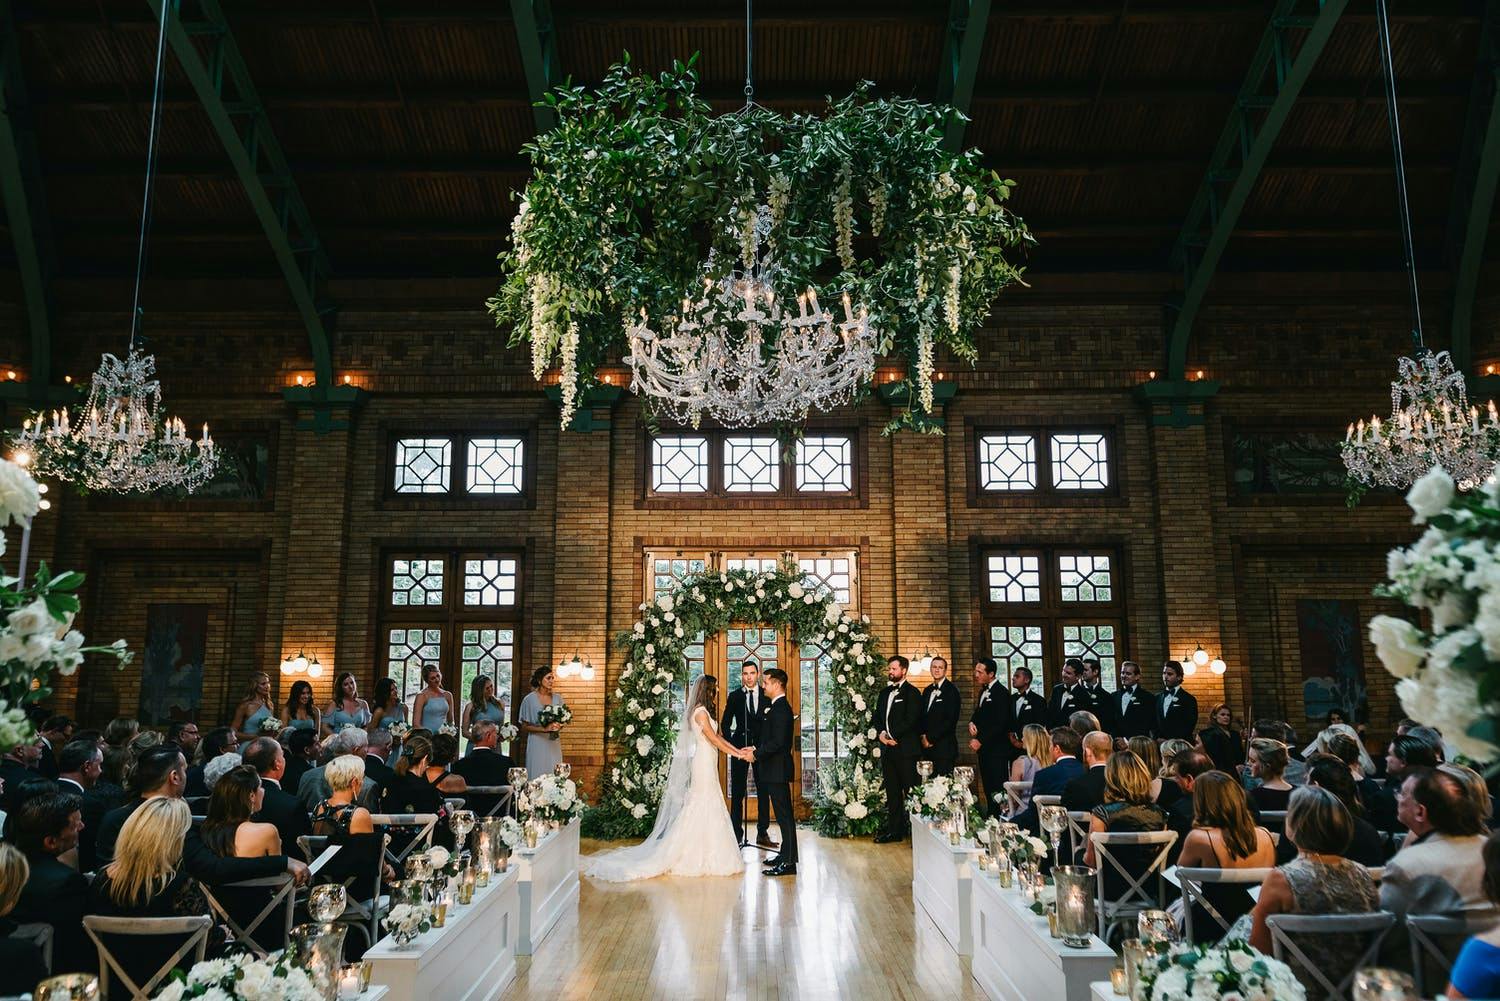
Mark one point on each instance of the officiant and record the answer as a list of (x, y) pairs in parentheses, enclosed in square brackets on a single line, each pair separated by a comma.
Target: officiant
[(740, 725)]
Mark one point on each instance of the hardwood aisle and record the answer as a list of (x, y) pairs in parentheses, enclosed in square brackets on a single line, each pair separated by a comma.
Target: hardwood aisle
[(843, 927)]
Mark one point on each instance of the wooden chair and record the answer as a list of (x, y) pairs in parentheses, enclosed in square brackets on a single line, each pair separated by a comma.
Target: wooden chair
[(195, 927), (1273, 820), (41, 933), (1436, 939), (1137, 896), (502, 794), (1287, 928), (283, 896), (1193, 880), (362, 916), (425, 823), (1013, 793), (1079, 822)]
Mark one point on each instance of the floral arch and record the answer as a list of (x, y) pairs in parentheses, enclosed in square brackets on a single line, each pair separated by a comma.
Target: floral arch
[(642, 722)]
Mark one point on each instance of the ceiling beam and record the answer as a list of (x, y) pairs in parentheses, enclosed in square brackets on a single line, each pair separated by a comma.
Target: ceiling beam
[(226, 92), (1264, 103), (25, 204), (963, 43), (1474, 189), (536, 35)]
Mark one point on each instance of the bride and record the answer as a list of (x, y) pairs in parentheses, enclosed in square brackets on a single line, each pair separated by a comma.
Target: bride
[(693, 835)]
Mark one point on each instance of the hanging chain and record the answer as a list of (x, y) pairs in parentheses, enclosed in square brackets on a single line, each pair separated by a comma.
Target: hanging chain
[(1384, 26), (749, 55), (151, 153)]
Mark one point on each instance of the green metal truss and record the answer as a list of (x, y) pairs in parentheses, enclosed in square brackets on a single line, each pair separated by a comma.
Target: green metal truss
[(211, 61), (1265, 99), (967, 22), (1474, 187), (537, 38), (25, 203)]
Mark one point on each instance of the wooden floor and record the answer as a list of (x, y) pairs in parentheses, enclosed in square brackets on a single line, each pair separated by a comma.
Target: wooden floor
[(843, 927)]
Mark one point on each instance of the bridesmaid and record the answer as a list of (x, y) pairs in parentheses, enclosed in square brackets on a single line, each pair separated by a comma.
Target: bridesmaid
[(482, 706), (389, 710), (434, 706), (301, 714), (543, 746), (254, 707), (347, 708)]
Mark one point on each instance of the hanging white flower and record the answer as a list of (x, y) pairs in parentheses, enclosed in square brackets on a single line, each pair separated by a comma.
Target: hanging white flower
[(924, 369), (1430, 495), (19, 497), (569, 373), (950, 299), (843, 218), (1398, 644), (878, 203)]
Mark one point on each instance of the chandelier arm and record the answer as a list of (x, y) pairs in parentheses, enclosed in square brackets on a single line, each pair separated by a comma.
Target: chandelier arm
[(151, 154), (1383, 27)]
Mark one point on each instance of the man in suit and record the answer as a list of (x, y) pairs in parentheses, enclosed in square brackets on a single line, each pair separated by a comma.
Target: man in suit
[(740, 726), (79, 766), (278, 807), (1101, 704), (1176, 708), (897, 722), (1052, 780), (774, 756), (157, 773), (15, 768), (1067, 696), (484, 765), (941, 704), (55, 734), (1027, 708), (1440, 868), (1087, 790), (302, 757), (1133, 707), (1184, 770), (989, 731), (56, 894), (313, 789), (379, 749), (219, 740)]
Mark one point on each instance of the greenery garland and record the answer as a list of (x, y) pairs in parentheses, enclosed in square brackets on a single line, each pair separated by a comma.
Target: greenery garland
[(639, 181), (643, 721)]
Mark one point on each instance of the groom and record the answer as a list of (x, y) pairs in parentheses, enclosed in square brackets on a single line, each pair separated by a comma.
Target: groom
[(741, 727), (774, 757)]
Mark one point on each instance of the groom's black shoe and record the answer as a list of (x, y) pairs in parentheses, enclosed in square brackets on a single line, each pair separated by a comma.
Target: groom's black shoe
[(773, 861), (781, 869), (888, 837)]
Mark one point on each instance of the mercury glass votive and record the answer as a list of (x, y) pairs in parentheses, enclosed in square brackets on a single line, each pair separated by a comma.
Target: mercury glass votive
[(1117, 980), (1133, 953), (1075, 898), (68, 987), (1157, 930), (1378, 983)]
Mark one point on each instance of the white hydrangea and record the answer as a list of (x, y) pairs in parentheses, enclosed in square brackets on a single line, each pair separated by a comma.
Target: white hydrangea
[(19, 497)]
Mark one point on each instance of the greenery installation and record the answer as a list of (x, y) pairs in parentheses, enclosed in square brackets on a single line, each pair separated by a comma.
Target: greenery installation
[(643, 717), (639, 181)]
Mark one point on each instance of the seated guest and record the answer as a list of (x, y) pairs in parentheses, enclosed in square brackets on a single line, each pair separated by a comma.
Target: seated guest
[(1404, 753), (21, 964), (78, 769), (18, 765), (377, 754), (312, 788), (1352, 753), (1219, 741), (147, 879), (1318, 881), (1087, 790), (1476, 974), (117, 732), (484, 765), (229, 833), (1434, 737), (216, 769), (1083, 722), (410, 791), (184, 733), (1223, 836), (278, 807), (444, 752), (344, 822), (55, 894), (154, 773), (1267, 763), (1367, 847), (219, 740), (1440, 869), (1270, 729), (110, 787), (1145, 748), (301, 757), (54, 735), (1036, 755), (1052, 780), (1183, 771), (1127, 808), (1170, 791)]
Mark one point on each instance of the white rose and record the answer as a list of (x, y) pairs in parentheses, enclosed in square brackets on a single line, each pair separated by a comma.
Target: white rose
[(855, 649), (644, 745), (859, 704), (11, 647), (438, 856), (1430, 495), (665, 603), (1453, 610), (638, 811), (1398, 644), (647, 713), (640, 628), (831, 615), (875, 751), (794, 590), (856, 811), (872, 734), (656, 689), (667, 617), (1241, 961), (841, 679), (808, 599), (629, 729), (30, 618)]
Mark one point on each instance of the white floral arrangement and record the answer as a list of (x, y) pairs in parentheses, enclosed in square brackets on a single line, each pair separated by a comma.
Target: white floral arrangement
[(512, 834), (244, 978), (939, 798), (547, 715), (1448, 673), (1232, 971), (449, 729), (271, 725), (408, 920), (442, 860), (509, 732), (850, 791), (1016, 845), (400, 730), (550, 798)]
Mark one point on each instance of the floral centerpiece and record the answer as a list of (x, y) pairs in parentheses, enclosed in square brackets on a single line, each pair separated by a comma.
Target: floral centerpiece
[(271, 725), (550, 799), (1016, 844), (443, 861), (36, 634), (512, 835), (1449, 672), (1232, 970), (940, 799), (407, 920), (547, 715), (243, 977)]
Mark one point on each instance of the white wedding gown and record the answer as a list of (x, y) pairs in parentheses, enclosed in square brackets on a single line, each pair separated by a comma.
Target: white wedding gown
[(695, 839)]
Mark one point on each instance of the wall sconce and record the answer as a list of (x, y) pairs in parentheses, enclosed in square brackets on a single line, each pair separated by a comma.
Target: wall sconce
[(572, 667), (297, 665), (314, 667), (922, 662), (1200, 658)]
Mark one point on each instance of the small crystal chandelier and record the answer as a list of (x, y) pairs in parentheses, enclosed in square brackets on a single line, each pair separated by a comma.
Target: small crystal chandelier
[(1431, 422), (123, 444), (734, 355)]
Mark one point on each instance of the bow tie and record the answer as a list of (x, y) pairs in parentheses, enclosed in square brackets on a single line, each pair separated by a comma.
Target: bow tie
[(891, 688), (1130, 689)]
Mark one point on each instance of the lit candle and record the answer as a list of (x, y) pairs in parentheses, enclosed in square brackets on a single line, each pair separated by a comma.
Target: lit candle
[(348, 982), (1117, 979)]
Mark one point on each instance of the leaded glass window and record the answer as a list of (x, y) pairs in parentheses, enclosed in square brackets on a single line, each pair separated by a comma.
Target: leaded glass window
[(1040, 606), (1014, 646), (752, 465), (1015, 578), (1080, 461), (489, 581), (1096, 640), (408, 651), (423, 465), (1084, 577), (1007, 462), (487, 650), (495, 465), (834, 573), (825, 464), (417, 582), (755, 564), (679, 464)]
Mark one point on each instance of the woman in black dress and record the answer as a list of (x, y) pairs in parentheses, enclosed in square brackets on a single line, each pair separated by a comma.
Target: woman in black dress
[(1220, 741), (21, 967)]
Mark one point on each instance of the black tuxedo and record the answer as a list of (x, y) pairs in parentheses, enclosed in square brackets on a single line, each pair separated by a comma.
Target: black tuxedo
[(1101, 704), (482, 766), (1139, 718), (774, 756), (284, 811), (57, 895), (1180, 721), (96, 803), (992, 719), (1064, 703), (1025, 710), (13, 774), (377, 771), (941, 705), (901, 720), (741, 727)]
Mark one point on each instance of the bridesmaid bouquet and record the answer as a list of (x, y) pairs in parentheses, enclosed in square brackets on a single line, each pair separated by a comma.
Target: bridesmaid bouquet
[(547, 715), (271, 725), (1207, 973), (509, 731), (400, 731)]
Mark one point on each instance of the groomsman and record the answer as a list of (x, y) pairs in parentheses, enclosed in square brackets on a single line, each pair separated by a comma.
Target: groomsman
[(941, 703), (1176, 709), (898, 724), (1101, 703), (741, 727), (989, 730), (1133, 706), (1027, 707), (1067, 696)]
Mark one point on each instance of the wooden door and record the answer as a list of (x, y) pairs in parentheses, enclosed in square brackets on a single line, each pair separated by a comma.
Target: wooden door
[(768, 647)]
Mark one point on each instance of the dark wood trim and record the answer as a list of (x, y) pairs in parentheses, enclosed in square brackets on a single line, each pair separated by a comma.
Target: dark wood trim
[(456, 499), (1046, 495), (787, 498), (1311, 424)]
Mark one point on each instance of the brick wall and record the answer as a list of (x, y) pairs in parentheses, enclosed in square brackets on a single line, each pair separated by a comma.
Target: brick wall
[(303, 569)]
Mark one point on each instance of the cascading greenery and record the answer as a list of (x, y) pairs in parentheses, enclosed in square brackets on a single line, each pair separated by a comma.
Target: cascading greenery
[(640, 181)]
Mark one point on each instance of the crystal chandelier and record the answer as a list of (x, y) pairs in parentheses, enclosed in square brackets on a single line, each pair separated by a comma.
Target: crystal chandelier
[(123, 444), (735, 355), (1431, 422)]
